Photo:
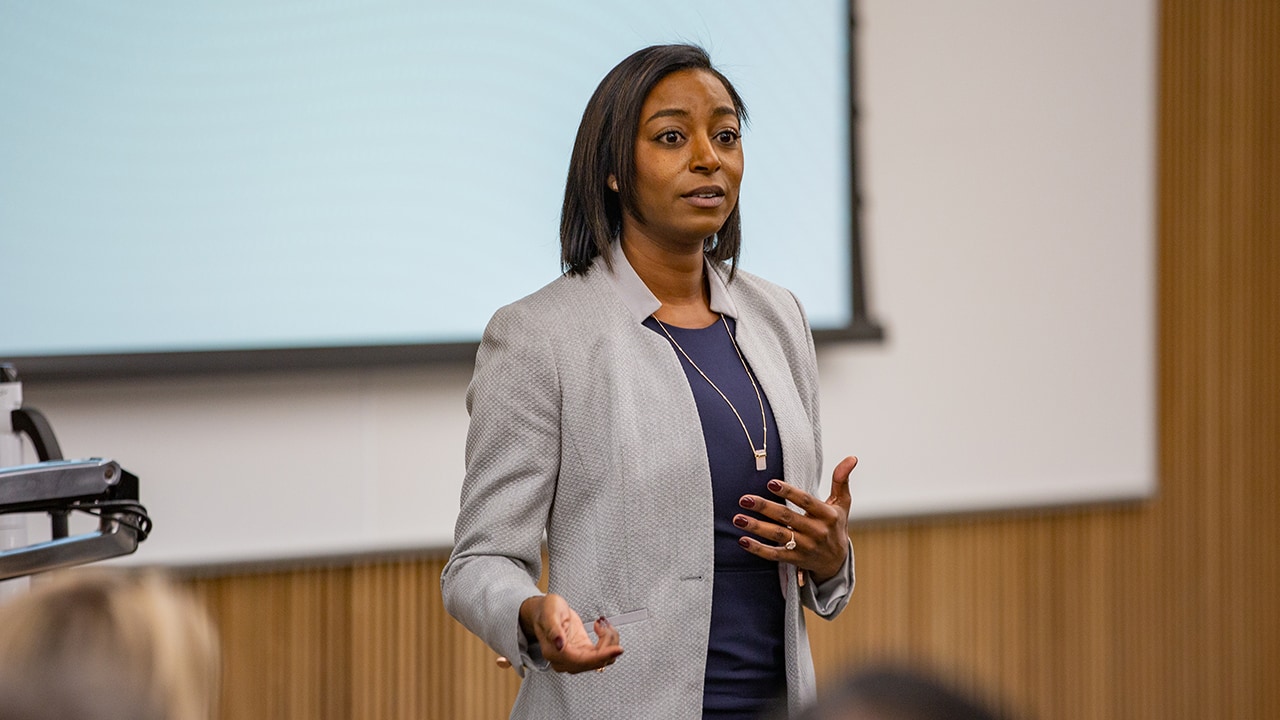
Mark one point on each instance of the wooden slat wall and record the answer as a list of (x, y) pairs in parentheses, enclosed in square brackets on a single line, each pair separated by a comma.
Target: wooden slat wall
[(1164, 610)]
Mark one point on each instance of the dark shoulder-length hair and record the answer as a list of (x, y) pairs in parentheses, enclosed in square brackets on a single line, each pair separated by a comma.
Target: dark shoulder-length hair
[(592, 213)]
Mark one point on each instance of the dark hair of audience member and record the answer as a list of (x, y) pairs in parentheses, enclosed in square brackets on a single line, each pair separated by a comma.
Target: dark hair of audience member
[(897, 693)]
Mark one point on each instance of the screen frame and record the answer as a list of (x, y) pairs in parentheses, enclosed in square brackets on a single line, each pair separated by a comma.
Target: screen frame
[(860, 328)]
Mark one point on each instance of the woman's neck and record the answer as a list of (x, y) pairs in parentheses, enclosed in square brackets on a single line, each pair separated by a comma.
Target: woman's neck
[(677, 278)]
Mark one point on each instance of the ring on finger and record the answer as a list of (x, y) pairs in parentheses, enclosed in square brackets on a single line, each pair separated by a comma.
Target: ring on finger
[(791, 544)]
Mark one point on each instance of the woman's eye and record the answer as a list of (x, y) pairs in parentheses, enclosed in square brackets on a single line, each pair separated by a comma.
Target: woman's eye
[(728, 137), (670, 137)]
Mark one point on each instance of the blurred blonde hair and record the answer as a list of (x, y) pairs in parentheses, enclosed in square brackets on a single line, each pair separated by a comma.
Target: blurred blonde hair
[(100, 645)]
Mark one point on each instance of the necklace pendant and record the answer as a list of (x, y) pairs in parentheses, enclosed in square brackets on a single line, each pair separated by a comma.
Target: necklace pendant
[(760, 460)]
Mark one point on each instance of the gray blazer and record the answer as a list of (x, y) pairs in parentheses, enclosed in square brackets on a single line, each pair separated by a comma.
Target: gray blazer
[(583, 426)]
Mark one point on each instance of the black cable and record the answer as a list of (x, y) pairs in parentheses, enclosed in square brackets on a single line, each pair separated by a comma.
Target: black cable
[(115, 507)]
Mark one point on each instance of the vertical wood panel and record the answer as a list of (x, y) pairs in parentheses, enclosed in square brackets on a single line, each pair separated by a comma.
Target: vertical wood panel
[(1163, 610)]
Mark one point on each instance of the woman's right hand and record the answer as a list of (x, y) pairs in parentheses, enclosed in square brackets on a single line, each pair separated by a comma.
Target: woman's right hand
[(563, 638)]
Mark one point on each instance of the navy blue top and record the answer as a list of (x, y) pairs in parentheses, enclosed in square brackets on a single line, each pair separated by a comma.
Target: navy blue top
[(746, 665)]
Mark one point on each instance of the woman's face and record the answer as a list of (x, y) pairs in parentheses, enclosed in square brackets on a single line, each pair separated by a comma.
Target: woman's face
[(688, 161)]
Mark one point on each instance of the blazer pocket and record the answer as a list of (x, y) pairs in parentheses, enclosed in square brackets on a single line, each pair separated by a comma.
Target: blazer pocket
[(620, 621), (629, 617)]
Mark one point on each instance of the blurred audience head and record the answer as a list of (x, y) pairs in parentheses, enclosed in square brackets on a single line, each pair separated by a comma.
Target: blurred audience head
[(896, 693), (101, 645)]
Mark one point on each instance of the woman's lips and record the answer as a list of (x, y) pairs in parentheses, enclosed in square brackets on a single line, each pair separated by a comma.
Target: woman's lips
[(711, 196)]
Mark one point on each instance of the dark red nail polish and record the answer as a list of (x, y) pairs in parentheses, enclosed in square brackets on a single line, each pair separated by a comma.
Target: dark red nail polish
[(740, 521), (604, 621), (747, 502), (559, 643), (774, 486), (744, 542)]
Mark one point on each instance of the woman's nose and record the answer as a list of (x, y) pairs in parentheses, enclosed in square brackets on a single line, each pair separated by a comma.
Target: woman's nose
[(703, 158)]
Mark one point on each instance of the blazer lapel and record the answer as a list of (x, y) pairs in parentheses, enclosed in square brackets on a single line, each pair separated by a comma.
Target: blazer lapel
[(763, 352)]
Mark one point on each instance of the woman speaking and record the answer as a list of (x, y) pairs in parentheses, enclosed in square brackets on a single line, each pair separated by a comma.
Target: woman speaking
[(654, 412)]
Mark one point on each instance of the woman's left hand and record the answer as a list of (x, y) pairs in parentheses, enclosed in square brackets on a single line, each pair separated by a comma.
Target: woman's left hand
[(820, 533)]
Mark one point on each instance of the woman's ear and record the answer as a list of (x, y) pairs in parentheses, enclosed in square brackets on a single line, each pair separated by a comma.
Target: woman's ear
[(613, 182)]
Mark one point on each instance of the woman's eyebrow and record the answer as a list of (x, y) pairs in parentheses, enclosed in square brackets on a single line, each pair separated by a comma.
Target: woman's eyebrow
[(669, 112), (682, 113)]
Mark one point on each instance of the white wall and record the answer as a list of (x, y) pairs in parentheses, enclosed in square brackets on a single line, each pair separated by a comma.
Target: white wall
[(1008, 176)]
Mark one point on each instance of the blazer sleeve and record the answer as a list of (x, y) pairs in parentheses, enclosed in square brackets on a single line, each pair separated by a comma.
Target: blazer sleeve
[(512, 462), (829, 598)]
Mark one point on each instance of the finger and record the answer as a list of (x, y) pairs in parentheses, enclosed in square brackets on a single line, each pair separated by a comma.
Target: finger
[(773, 533), (582, 662), (815, 512), (579, 654), (608, 639), (840, 483), (794, 495), (554, 621), (762, 550), (578, 659), (564, 629)]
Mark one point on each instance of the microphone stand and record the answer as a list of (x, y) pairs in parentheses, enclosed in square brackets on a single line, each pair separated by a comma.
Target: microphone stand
[(56, 486)]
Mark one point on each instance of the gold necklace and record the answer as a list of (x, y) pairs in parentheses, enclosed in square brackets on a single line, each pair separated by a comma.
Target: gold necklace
[(761, 454)]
